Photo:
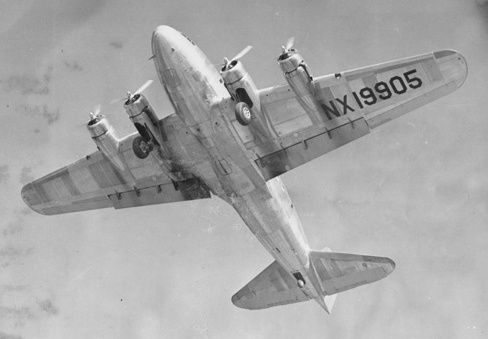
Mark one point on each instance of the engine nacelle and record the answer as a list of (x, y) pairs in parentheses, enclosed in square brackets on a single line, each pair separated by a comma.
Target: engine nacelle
[(240, 85), (243, 90), (144, 119), (153, 141), (296, 71), (104, 137), (298, 76)]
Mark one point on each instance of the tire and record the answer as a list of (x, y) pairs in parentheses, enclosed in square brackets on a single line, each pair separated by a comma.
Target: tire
[(243, 113)]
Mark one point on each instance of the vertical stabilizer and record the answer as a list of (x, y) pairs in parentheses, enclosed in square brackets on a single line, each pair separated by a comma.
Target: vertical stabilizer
[(327, 302)]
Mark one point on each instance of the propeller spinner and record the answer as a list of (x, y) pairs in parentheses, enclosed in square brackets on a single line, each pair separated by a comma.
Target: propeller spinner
[(228, 64), (95, 116), (131, 97), (287, 49)]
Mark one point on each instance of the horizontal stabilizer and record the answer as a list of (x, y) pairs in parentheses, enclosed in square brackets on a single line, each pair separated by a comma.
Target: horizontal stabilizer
[(339, 272), (272, 287)]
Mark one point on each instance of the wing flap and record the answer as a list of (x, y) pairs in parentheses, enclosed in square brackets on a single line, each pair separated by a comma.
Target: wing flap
[(302, 150)]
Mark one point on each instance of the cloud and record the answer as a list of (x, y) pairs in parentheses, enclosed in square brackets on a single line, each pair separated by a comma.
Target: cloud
[(47, 307), (23, 306), (4, 173), (17, 225), (73, 66), (28, 84), (25, 175), (4, 335), (11, 254), (116, 44), (19, 315), (41, 26), (11, 288), (51, 116)]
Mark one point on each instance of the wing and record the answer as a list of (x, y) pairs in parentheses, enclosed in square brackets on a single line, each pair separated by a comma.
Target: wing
[(348, 104), (93, 183)]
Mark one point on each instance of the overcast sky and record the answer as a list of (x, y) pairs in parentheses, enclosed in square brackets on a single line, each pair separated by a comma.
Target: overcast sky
[(416, 190)]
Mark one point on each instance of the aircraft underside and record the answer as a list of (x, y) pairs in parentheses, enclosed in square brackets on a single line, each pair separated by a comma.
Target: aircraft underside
[(228, 138)]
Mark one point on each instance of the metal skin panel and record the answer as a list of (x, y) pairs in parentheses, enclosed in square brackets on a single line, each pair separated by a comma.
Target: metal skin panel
[(94, 182), (204, 149), (337, 272), (354, 102), (272, 287), (310, 148)]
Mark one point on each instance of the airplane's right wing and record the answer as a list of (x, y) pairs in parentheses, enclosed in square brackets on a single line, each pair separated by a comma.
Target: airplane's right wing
[(349, 104), (94, 182)]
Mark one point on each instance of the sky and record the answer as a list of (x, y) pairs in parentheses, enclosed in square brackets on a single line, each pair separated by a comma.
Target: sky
[(415, 190)]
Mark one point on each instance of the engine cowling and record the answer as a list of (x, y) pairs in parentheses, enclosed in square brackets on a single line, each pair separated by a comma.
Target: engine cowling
[(102, 133), (144, 119), (240, 85), (153, 141), (243, 90), (300, 79), (295, 70)]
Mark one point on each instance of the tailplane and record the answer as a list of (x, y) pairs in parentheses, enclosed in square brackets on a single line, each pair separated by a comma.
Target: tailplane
[(339, 272), (329, 272)]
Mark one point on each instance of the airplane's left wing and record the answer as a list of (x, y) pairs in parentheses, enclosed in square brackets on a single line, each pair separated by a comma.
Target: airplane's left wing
[(348, 104), (94, 182)]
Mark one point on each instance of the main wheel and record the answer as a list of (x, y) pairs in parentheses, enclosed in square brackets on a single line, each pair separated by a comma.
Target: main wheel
[(243, 113)]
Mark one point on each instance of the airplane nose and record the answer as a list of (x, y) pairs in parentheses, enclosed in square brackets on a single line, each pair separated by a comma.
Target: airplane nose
[(163, 42), (163, 32), (163, 36)]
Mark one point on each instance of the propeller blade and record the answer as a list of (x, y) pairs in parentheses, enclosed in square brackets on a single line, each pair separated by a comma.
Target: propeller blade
[(226, 62), (143, 87), (113, 101), (242, 53), (96, 110), (289, 43)]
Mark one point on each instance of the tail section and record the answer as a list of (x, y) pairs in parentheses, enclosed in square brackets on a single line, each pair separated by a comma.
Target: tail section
[(272, 287), (329, 273), (326, 302)]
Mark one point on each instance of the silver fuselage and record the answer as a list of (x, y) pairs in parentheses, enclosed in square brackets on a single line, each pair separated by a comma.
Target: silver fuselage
[(200, 99)]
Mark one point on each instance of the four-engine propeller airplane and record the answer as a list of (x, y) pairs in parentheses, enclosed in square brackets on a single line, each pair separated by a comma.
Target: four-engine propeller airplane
[(230, 139)]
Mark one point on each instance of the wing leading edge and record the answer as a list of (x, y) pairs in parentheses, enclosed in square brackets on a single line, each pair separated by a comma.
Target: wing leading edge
[(350, 104)]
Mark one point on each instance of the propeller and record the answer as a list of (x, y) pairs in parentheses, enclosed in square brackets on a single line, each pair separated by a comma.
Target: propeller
[(130, 96), (289, 44), (287, 48), (95, 116), (228, 64)]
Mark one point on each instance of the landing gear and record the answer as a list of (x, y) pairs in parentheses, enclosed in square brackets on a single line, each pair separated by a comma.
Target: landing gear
[(300, 280), (243, 113)]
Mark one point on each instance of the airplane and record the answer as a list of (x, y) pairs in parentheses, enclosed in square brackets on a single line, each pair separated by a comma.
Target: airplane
[(229, 139)]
